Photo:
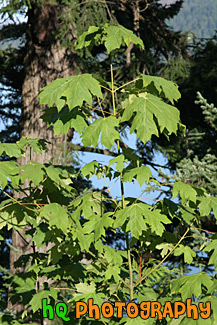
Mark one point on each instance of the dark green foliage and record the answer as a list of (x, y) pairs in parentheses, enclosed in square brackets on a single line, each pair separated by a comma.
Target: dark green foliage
[(196, 17), (80, 263), (11, 78), (159, 42), (200, 135)]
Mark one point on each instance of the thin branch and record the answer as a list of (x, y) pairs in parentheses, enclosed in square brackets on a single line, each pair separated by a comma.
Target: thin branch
[(65, 289), (170, 252), (106, 88), (128, 83), (23, 238), (90, 149), (109, 190), (18, 202), (207, 231), (142, 194), (192, 236)]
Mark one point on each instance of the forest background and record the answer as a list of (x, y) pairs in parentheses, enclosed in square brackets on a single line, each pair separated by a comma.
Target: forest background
[(188, 60)]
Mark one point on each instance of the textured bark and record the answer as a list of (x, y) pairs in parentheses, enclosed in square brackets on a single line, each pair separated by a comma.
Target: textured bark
[(44, 62)]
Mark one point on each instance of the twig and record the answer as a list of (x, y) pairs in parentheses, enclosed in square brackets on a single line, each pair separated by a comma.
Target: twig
[(170, 252)]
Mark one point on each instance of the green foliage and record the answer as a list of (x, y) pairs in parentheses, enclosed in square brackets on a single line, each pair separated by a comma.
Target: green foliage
[(196, 16), (111, 36), (106, 126), (79, 263), (146, 106), (76, 89), (191, 285)]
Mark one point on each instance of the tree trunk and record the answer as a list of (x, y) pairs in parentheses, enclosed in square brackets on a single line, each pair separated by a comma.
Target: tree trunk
[(44, 62)]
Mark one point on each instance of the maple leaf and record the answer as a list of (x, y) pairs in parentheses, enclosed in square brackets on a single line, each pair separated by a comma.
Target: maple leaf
[(34, 172), (98, 224), (64, 120), (89, 169), (146, 107), (6, 167), (88, 38), (187, 192), (140, 216), (120, 162), (105, 126), (115, 35), (142, 174), (187, 251), (112, 36), (191, 285), (164, 87), (72, 91), (10, 149), (57, 215), (208, 204), (212, 246)]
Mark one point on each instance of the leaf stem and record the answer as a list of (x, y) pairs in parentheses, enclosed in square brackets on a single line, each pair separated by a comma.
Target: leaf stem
[(18, 202), (170, 252), (101, 108), (106, 88), (128, 83), (113, 91), (122, 195)]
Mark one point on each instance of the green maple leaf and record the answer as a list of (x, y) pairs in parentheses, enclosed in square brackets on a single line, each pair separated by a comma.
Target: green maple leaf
[(191, 285), (87, 205), (40, 235), (146, 107), (86, 291), (38, 145), (112, 271), (10, 149), (53, 173), (89, 169), (64, 120), (142, 174), (165, 248), (106, 126), (120, 162), (156, 221), (36, 300), (168, 88), (187, 214), (61, 177), (85, 288), (143, 123), (187, 192), (136, 224), (72, 90), (148, 293), (84, 240), (87, 39), (6, 167), (33, 172), (140, 216), (115, 35), (98, 224), (212, 246), (207, 204), (187, 251), (24, 285), (113, 256), (58, 216)]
